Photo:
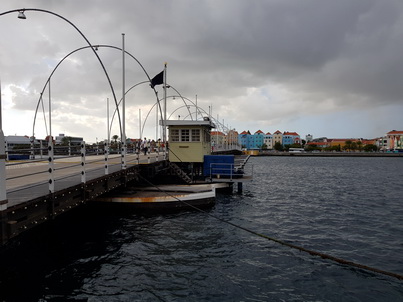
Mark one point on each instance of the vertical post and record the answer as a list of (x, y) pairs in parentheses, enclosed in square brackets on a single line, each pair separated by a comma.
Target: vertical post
[(106, 153), (50, 113), (106, 144), (32, 147), (83, 178), (239, 187), (165, 103), (156, 121), (6, 149), (51, 165), (3, 192), (41, 147), (123, 105)]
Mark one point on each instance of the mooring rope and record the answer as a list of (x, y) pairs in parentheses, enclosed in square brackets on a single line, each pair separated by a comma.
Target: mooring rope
[(293, 246)]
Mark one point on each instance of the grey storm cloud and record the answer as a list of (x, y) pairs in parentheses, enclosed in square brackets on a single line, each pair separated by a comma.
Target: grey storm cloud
[(331, 55)]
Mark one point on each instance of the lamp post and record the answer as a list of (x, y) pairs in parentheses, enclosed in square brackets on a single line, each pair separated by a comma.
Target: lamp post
[(21, 15), (123, 155), (96, 47), (3, 193)]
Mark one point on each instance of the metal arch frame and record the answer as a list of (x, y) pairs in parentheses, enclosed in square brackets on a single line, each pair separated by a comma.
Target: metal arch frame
[(95, 47), (82, 35), (127, 91), (158, 102)]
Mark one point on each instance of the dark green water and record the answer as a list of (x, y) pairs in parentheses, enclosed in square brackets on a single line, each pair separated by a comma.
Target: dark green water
[(351, 208)]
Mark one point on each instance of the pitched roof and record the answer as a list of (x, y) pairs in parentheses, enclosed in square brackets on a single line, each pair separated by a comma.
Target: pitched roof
[(395, 132), (291, 133), (217, 133), (277, 132)]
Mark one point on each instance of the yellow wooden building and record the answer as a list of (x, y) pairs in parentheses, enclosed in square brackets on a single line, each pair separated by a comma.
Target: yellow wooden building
[(188, 140)]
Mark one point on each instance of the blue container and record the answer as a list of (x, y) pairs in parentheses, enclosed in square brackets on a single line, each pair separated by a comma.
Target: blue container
[(215, 165), (18, 156)]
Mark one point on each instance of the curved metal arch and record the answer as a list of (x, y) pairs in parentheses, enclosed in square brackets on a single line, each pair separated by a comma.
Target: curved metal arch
[(82, 35), (74, 51), (171, 96), (127, 91)]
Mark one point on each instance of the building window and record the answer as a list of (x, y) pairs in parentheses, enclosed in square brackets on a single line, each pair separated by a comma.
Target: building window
[(195, 135), (185, 135), (175, 135)]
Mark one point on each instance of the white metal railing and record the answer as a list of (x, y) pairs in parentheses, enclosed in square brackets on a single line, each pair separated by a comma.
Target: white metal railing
[(225, 147), (228, 171), (24, 173)]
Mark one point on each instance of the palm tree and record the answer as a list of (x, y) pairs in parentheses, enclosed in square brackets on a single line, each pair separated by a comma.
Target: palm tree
[(115, 137)]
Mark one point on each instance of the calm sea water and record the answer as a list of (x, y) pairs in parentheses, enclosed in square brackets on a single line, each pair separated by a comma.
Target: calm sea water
[(351, 208)]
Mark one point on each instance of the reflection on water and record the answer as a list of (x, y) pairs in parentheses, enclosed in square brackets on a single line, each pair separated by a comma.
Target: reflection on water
[(347, 207)]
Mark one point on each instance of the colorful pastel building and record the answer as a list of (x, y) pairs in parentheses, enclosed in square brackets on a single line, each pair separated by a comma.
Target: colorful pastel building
[(268, 140), (395, 140), (243, 139), (277, 137), (290, 138)]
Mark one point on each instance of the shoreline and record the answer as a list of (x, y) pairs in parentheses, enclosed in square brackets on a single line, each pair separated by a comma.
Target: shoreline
[(330, 154)]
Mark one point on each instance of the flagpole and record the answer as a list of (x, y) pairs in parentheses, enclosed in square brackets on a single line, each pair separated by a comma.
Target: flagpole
[(165, 103), (196, 107), (140, 124), (123, 105)]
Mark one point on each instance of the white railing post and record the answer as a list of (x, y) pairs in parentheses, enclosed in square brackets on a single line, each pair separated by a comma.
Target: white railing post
[(83, 178), (41, 147), (149, 155), (123, 155), (3, 192), (106, 153), (51, 165), (32, 148), (6, 150)]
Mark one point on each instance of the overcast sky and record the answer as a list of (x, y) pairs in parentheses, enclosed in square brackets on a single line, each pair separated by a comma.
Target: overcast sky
[(321, 67)]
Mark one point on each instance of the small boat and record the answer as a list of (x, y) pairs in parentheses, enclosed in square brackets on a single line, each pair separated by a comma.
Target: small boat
[(166, 197)]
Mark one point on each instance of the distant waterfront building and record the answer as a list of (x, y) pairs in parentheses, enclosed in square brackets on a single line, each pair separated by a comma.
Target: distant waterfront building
[(71, 139), (268, 140), (382, 143), (394, 140), (290, 138), (258, 139), (13, 141), (232, 138), (277, 137), (309, 138), (217, 140), (243, 139)]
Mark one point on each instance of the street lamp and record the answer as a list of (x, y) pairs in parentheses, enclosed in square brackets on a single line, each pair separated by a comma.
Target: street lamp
[(96, 47), (21, 15)]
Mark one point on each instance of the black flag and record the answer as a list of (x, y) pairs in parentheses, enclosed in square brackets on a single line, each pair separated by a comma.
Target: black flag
[(158, 79)]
